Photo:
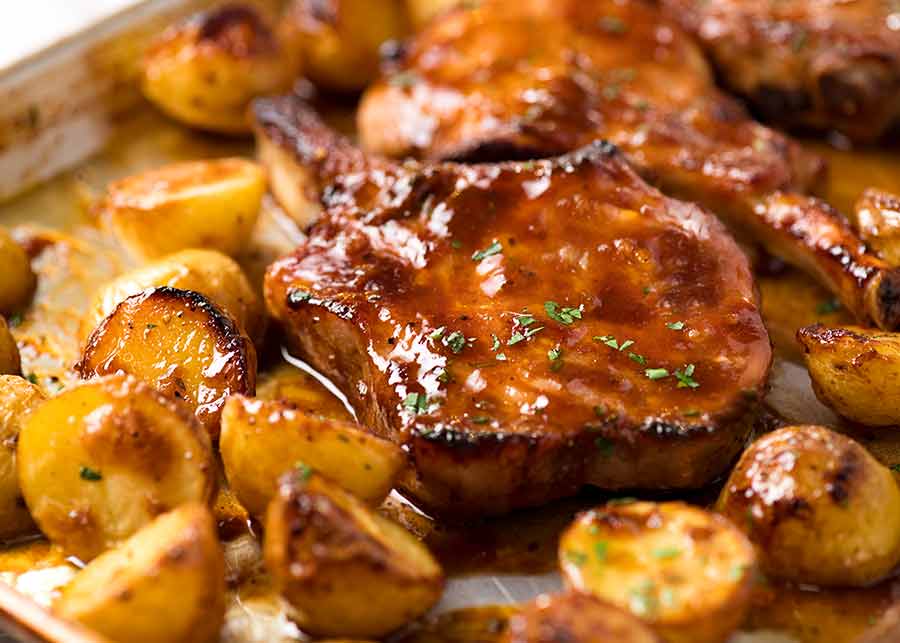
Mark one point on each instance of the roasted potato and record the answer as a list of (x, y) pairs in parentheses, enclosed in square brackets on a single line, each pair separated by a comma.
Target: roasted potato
[(685, 571), (211, 273), (205, 71), (878, 222), (818, 506), (261, 440), (855, 371), (9, 352), (345, 570), (165, 584), (179, 342), (422, 11), (103, 458), (191, 204), (18, 398), (340, 40), (576, 618), (17, 280)]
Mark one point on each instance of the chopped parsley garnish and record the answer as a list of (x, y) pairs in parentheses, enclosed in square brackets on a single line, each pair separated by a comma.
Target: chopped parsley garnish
[(640, 359), (613, 24), (495, 342), (604, 446), (828, 307), (554, 353), (565, 315), (455, 341), (14, 320), (684, 377), (151, 326), (303, 470), (600, 410), (437, 333), (404, 79), (525, 319), (416, 402), (31, 377), (691, 414), (656, 373), (646, 290), (666, 552), (494, 249), (89, 474), (641, 599), (577, 558), (895, 467), (521, 337), (601, 548), (501, 357), (480, 419), (737, 572), (297, 296), (456, 244), (611, 341), (679, 325)]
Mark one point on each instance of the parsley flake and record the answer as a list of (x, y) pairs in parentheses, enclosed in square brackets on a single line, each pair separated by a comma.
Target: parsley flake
[(828, 307), (416, 402), (613, 25), (601, 548), (684, 377), (640, 359), (495, 342), (656, 373), (437, 333), (297, 296), (304, 471), (577, 558), (565, 315), (665, 553), (554, 353), (455, 341), (604, 446), (679, 325), (494, 249), (89, 474)]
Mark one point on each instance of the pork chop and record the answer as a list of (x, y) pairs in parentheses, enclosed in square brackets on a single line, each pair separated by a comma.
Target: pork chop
[(522, 328), (536, 78)]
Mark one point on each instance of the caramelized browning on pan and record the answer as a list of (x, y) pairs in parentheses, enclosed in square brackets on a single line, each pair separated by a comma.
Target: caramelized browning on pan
[(523, 327)]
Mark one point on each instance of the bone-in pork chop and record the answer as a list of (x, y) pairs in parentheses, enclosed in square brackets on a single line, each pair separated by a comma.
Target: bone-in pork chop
[(523, 328)]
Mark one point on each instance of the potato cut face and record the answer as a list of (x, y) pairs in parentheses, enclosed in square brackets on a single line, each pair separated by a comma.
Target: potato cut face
[(215, 275), (344, 569), (261, 440), (17, 280), (686, 571), (819, 507), (102, 459), (18, 398), (181, 344), (164, 584), (9, 352), (192, 204)]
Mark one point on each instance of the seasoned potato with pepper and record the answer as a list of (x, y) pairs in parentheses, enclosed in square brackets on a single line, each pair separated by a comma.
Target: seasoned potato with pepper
[(9, 352), (211, 273), (878, 221), (102, 459), (855, 371), (179, 342), (17, 280), (576, 618), (191, 204), (261, 440), (818, 506), (346, 570), (18, 398), (164, 584), (685, 571), (340, 39), (205, 71)]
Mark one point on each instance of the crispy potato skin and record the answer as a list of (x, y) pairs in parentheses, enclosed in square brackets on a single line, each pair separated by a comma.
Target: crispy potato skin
[(855, 371), (576, 618), (208, 272), (103, 458), (18, 398), (17, 280), (260, 440), (685, 571), (878, 222), (346, 570), (9, 352), (205, 71), (211, 204), (179, 342), (340, 39), (818, 506), (164, 584)]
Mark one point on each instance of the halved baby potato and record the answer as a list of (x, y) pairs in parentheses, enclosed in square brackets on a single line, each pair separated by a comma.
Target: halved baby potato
[(179, 342), (211, 204), (215, 275), (105, 457), (685, 571), (261, 440), (345, 570), (165, 584), (855, 371), (575, 617), (9, 352), (17, 280), (818, 506), (18, 398), (205, 71)]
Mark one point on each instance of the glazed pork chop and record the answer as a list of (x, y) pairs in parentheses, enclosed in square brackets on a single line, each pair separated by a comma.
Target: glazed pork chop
[(522, 328), (825, 64), (542, 77)]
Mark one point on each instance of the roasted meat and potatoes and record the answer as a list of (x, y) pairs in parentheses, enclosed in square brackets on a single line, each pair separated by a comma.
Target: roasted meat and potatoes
[(449, 300)]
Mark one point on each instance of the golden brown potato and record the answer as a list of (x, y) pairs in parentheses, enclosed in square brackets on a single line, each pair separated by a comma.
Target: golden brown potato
[(18, 398), (340, 39), (17, 280), (818, 506), (9, 352), (878, 222), (685, 571), (211, 273), (179, 342), (346, 570), (205, 71), (422, 11), (855, 371), (191, 204), (102, 459), (165, 584), (576, 618), (261, 440)]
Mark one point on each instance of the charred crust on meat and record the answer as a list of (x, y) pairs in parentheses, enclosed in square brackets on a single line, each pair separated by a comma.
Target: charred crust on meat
[(888, 298)]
